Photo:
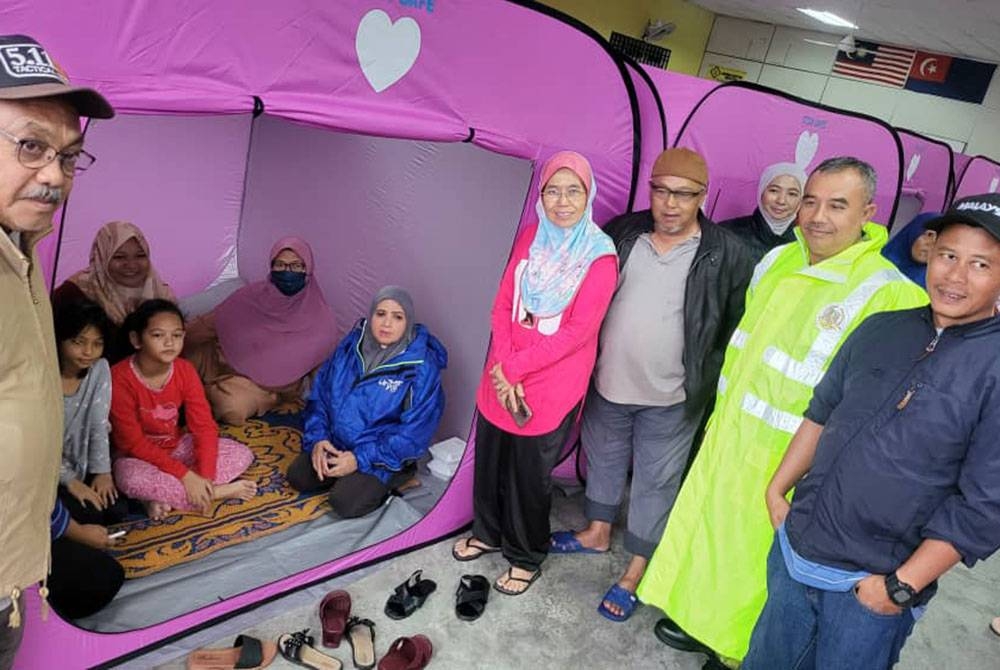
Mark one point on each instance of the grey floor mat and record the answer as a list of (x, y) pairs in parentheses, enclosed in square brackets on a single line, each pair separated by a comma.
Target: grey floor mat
[(183, 588)]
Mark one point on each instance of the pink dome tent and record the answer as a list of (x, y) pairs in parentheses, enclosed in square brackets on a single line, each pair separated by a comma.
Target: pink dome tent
[(398, 137), (979, 175), (741, 128), (929, 177)]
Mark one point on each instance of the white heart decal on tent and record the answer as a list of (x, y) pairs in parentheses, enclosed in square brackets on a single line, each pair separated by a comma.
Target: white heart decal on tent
[(805, 148), (386, 50), (911, 169)]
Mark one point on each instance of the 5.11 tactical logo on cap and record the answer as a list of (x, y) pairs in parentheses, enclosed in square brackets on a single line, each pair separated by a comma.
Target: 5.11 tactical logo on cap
[(28, 61)]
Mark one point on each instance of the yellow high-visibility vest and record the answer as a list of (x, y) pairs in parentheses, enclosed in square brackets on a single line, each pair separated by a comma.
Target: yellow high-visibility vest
[(709, 572)]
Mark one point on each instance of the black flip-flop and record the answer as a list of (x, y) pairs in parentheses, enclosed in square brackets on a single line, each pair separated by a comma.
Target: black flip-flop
[(470, 599), (509, 574), (409, 596), (480, 548), (362, 642)]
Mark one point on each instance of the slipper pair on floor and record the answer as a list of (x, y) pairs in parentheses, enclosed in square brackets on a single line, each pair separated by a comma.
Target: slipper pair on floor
[(470, 598), (475, 549), (335, 617), (566, 542)]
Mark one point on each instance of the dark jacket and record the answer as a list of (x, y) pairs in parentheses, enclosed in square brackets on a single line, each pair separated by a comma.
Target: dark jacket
[(757, 235), (713, 299), (387, 416), (909, 446)]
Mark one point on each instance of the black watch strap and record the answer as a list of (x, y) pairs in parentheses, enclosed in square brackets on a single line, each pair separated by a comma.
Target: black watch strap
[(899, 592)]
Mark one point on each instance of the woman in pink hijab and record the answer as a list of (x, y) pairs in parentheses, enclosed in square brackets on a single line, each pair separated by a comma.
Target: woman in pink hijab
[(255, 349), (120, 277)]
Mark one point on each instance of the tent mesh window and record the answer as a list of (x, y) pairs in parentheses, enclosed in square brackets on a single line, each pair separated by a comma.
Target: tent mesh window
[(640, 51)]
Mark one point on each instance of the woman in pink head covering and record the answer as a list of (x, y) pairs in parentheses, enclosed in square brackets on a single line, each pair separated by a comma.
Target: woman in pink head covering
[(546, 317), (120, 277), (255, 349)]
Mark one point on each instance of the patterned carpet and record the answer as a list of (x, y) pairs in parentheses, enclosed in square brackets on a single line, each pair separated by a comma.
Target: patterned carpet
[(151, 546)]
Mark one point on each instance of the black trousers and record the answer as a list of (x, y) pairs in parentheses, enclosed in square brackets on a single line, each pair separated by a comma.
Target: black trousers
[(87, 514), (352, 496), (83, 579), (512, 491)]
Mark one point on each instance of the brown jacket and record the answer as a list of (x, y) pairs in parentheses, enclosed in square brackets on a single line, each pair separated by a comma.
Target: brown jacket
[(31, 417)]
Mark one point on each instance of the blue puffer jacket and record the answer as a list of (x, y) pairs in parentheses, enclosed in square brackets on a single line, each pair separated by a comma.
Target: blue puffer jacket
[(387, 417)]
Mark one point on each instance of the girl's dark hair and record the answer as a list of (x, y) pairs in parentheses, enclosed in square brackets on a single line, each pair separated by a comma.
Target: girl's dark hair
[(71, 318), (138, 321)]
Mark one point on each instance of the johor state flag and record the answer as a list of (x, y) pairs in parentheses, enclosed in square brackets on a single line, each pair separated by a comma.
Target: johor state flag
[(949, 77)]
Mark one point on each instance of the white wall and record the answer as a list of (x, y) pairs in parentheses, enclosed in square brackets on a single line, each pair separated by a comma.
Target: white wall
[(797, 61)]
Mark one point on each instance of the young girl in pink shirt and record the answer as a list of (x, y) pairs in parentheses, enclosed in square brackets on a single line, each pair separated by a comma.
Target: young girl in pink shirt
[(158, 463)]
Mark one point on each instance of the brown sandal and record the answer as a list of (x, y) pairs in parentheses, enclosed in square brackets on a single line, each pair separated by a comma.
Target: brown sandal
[(247, 652)]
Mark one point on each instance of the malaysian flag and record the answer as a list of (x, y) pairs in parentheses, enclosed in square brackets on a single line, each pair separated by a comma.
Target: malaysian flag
[(876, 63)]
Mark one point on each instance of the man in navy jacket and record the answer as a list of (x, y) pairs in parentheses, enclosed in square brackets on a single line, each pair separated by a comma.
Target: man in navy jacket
[(896, 467)]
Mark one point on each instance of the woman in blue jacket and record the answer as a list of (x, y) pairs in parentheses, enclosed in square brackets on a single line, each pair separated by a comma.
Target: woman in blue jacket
[(373, 410)]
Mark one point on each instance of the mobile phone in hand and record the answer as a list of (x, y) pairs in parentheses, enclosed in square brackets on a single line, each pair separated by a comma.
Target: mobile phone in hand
[(522, 414)]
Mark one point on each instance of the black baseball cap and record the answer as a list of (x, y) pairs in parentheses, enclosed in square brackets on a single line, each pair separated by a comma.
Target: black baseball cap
[(982, 211), (27, 71)]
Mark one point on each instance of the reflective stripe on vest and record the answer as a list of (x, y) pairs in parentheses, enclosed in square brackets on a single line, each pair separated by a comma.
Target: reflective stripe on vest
[(723, 382), (765, 264), (739, 338), (810, 370), (772, 416)]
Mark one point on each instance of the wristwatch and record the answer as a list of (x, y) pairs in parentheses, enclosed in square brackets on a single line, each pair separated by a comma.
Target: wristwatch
[(900, 593)]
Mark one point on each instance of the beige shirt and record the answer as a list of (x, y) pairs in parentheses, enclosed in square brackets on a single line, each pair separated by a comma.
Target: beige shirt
[(31, 417)]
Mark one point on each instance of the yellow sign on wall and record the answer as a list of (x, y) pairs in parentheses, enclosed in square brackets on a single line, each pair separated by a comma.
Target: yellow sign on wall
[(724, 74)]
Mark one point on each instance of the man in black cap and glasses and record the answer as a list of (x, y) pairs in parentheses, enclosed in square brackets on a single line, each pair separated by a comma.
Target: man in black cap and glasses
[(41, 151), (896, 467)]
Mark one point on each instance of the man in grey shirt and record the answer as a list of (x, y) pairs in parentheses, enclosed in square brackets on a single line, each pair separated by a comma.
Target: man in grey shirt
[(680, 294)]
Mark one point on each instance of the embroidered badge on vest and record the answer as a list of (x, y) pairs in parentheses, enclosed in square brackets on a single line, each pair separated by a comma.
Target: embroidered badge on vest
[(833, 317)]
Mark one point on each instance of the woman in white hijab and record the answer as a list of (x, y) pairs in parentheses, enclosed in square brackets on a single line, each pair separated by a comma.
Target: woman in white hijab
[(779, 194)]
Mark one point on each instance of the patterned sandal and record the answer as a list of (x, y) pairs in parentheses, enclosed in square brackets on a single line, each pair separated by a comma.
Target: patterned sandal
[(298, 648)]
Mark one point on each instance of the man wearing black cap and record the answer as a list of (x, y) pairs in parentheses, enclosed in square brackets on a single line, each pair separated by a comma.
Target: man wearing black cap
[(41, 151), (896, 468)]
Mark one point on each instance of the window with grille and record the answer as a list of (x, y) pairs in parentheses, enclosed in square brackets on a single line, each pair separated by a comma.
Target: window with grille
[(640, 51)]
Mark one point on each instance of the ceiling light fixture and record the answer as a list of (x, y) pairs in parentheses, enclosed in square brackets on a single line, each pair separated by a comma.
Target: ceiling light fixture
[(828, 18)]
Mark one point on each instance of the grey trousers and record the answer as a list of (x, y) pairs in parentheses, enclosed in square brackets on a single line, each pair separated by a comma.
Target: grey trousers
[(10, 638), (655, 442)]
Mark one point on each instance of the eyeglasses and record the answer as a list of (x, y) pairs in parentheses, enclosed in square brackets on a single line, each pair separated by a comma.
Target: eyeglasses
[(294, 266), (554, 194), (664, 193), (36, 154)]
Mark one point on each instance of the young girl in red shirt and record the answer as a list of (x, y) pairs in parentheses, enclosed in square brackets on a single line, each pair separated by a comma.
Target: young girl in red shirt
[(158, 463)]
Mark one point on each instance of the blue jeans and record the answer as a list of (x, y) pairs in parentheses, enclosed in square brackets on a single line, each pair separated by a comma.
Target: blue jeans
[(802, 628)]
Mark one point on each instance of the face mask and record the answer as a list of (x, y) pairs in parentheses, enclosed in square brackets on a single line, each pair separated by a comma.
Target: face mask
[(288, 282)]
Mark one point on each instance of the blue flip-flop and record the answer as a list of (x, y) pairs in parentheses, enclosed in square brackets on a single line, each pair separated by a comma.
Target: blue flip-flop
[(565, 542), (625, 600)]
